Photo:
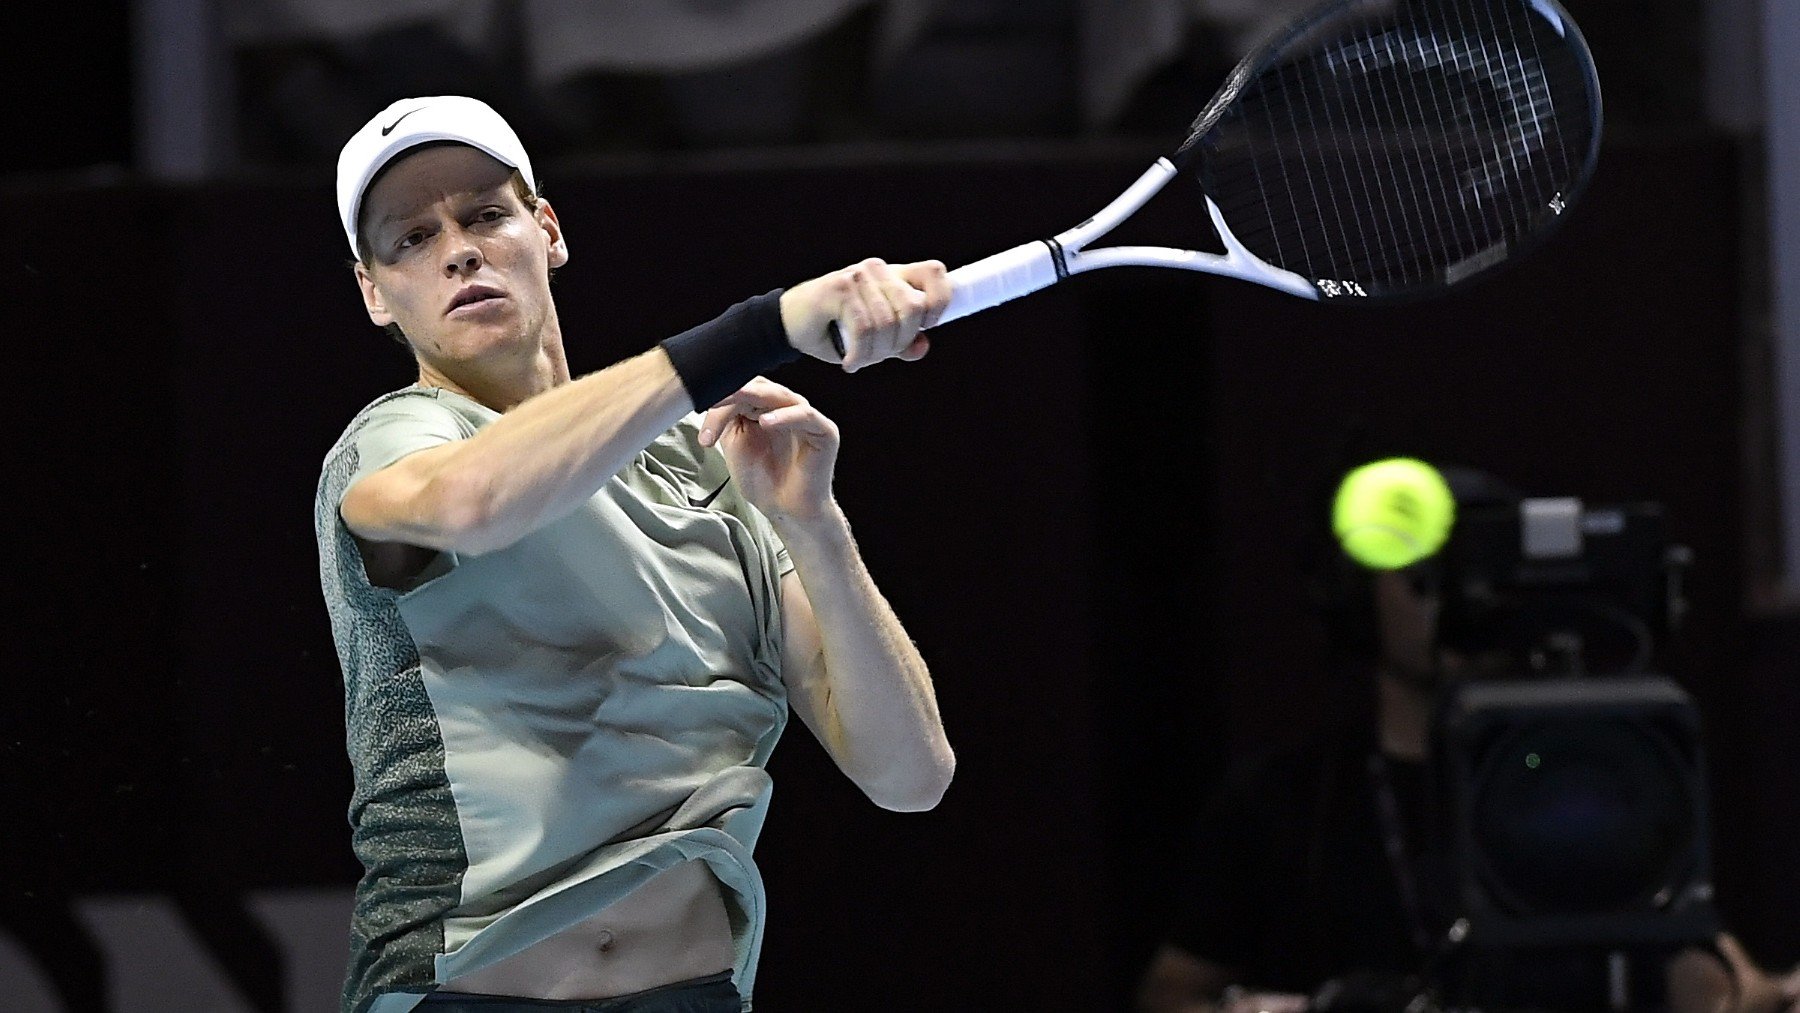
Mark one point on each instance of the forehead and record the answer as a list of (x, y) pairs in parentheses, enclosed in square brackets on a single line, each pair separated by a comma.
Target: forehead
[(420, 178)]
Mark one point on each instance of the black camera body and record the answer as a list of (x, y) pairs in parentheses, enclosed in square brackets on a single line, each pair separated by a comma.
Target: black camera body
[(1573, 812), (1569, 790), (1560, 587)]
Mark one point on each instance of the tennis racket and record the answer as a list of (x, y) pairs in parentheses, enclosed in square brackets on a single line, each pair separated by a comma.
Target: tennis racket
[(1372, 151)]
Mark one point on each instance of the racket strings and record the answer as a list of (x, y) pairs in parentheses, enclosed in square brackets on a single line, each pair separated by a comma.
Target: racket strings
[(1404, 149), (1497, 113)]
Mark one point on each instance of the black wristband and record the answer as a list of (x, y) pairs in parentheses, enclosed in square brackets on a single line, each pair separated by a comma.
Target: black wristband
[(721, 355)]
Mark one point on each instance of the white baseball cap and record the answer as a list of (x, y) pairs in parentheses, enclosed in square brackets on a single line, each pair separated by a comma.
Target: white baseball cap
[(411, 122)]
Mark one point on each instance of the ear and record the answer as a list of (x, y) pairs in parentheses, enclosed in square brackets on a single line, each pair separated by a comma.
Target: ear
[(372, 300), (559, 247)]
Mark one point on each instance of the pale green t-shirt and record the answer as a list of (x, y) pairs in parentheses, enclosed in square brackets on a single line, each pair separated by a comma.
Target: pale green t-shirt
[(536, 731)]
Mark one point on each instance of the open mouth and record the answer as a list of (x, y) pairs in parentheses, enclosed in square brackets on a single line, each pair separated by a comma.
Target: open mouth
[(474, 295)]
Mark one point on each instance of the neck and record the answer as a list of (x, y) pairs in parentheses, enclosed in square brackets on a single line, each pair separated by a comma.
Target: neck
[(504, 381), (1405, 714)]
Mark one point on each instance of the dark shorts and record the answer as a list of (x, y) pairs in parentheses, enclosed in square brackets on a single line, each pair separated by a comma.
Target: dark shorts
[(711, 994)]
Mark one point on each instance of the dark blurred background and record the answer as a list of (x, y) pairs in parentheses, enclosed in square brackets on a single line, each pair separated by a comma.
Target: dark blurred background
[(1087, 506)]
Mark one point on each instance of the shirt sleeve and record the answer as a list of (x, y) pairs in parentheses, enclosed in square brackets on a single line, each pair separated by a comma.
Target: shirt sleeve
[(380, 436), (401, 426)]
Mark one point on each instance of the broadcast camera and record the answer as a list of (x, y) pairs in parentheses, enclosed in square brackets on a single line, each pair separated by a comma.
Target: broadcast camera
[(1570, 793), (1560, 588), (1568, 803)]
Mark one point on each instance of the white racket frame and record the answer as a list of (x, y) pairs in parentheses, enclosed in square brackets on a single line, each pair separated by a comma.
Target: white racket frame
[(1022, 270)]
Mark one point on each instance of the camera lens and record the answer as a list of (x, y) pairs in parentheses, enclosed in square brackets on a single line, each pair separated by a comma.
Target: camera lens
[(1583, 817)]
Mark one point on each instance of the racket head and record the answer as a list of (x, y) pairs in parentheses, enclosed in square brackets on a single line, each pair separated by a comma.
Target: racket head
[(1388, 150)]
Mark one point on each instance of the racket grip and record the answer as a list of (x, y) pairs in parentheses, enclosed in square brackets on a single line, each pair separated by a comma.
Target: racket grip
[(1000, 278), (986, 283)]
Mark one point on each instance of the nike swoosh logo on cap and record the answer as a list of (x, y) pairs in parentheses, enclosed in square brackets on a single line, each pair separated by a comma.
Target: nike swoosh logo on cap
[(390, 127), (709, 497)]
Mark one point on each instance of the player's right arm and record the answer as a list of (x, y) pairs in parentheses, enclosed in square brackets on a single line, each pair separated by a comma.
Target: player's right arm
[(533, 465), (544, 457)]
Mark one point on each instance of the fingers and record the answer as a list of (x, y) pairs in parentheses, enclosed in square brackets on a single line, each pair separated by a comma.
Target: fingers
[(773, 407), (930, 278), (750, 401), (802, 421), (1733, 952), (869, 318), (879, 309), (880, 317), (1757, 988), (915, 351), (886, 309)]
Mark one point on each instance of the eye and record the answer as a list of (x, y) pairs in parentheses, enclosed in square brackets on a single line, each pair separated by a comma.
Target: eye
[(410, 239), (490, 214)]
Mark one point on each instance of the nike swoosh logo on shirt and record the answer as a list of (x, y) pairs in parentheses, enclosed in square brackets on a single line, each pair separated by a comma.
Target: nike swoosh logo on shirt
[(390, 127), (709, 497)]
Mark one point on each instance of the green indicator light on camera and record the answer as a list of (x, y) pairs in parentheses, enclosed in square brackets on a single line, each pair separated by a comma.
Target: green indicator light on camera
[(1532, 760)]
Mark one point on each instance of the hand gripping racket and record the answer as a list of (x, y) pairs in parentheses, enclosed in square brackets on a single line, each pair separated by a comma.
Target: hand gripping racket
[(1372, 151)]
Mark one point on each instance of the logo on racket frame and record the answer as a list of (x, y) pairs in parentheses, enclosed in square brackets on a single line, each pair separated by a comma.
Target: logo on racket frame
[(1332, 289)]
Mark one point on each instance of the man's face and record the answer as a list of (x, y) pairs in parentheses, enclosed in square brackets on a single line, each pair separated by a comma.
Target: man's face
[(1409, 638), (1408, 623), (455, 258)]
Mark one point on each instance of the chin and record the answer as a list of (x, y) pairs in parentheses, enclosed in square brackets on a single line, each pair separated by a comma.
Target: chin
[(488, 341)]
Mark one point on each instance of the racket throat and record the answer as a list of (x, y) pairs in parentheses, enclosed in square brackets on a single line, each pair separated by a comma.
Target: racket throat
[(1041, 263)]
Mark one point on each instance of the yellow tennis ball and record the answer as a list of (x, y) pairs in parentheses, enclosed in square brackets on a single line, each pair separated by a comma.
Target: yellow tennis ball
[(1393, 513)]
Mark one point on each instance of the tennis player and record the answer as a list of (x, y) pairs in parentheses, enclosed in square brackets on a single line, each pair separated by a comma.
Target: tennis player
[(573, 614)]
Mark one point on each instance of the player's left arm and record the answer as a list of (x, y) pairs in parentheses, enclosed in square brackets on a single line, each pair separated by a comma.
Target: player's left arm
[(852, 673), (855, 677)]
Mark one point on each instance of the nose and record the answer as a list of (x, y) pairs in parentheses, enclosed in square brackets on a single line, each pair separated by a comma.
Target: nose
[(461, 256)]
